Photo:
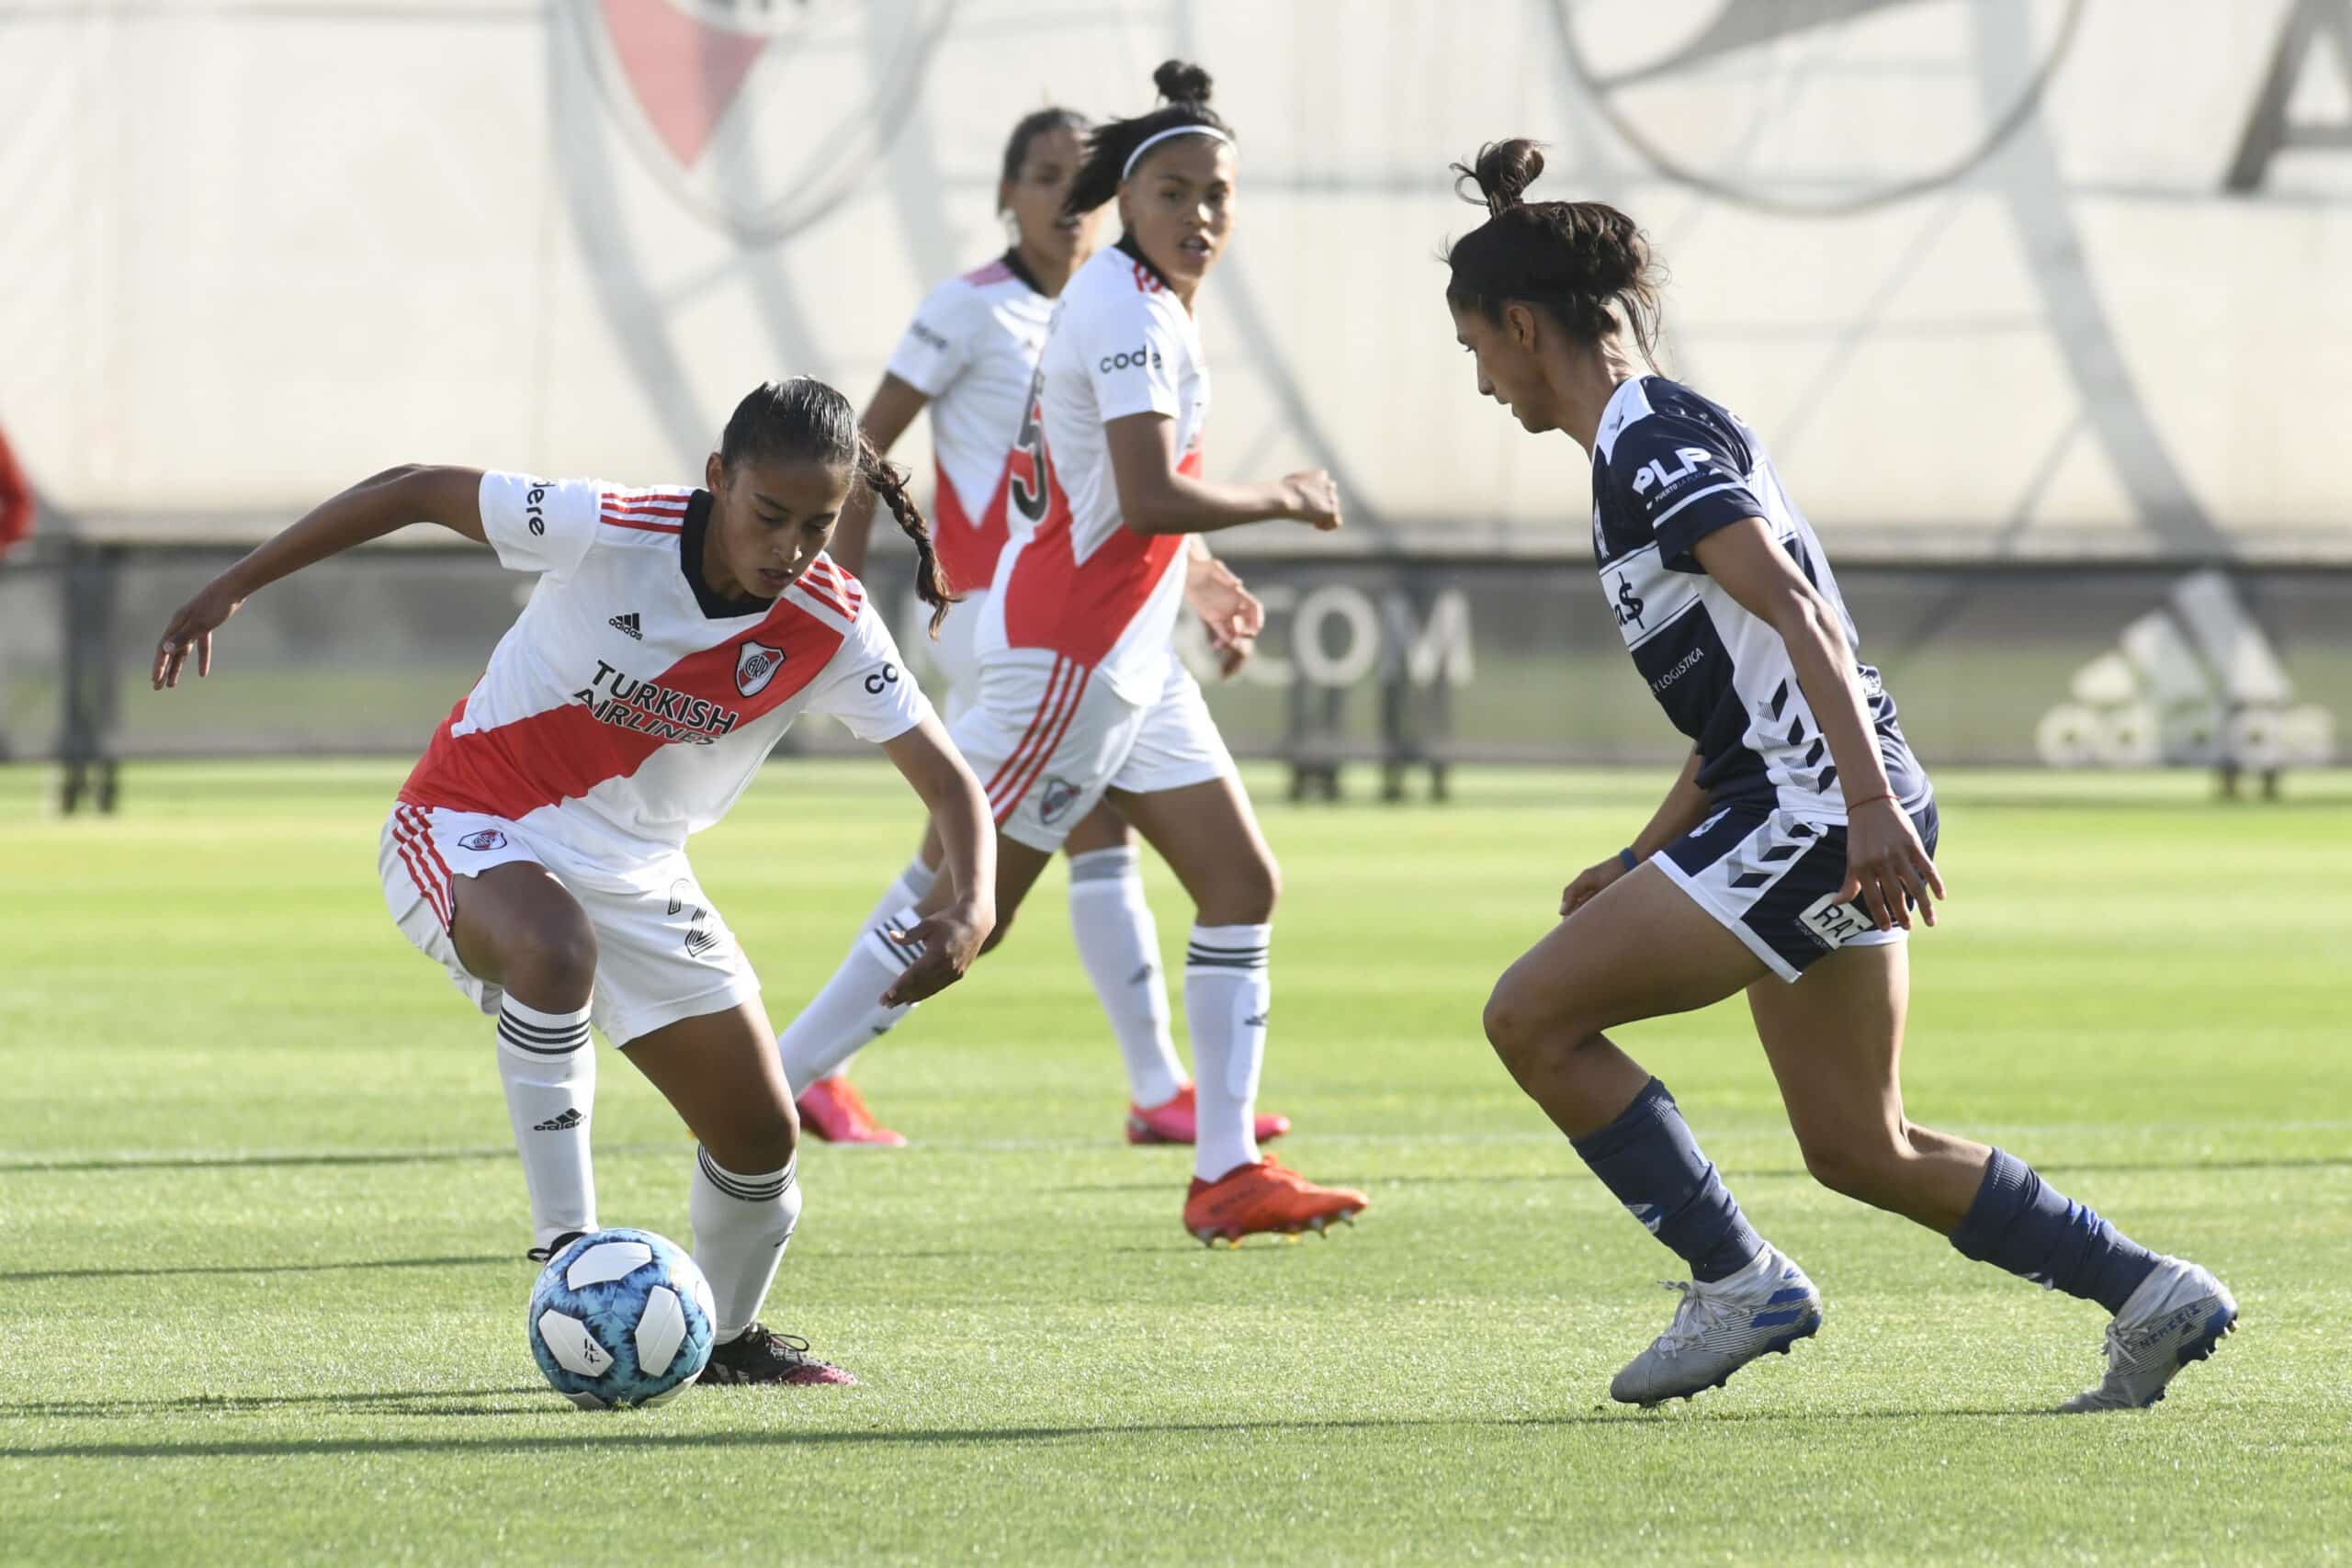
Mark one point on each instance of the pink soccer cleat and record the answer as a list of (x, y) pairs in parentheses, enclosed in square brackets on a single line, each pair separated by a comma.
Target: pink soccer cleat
[(835, 1113), (1176, 1121)]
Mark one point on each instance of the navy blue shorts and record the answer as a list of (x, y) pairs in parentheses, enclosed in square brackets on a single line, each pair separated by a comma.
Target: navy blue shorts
[(1772, 878)]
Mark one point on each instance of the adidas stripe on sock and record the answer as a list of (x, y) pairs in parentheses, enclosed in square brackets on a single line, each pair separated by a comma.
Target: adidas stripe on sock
[(848, 1012), (742, 1224), (1228, 1000), (547, 1064)]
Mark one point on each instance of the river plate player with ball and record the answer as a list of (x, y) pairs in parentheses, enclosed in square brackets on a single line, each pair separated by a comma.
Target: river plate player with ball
[(538, 852)]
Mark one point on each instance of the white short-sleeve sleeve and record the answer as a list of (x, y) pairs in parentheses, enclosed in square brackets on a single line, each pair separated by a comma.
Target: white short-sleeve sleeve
[(538, 525), (865, 684), (938, 343), (1132, 353)]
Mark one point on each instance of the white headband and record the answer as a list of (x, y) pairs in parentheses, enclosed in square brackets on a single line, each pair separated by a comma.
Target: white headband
[(1148, 142)]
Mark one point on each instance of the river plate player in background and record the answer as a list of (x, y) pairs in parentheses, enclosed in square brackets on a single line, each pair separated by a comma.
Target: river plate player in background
[(538, 852), (1080, 693), (1787, 860), (968, 358)]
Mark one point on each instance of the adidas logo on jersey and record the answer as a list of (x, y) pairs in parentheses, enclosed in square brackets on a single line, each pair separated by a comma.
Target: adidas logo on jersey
[(628, 624)]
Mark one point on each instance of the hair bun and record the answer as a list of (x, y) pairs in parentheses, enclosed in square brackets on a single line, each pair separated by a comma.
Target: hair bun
[(1181, 81), (1502, 171)]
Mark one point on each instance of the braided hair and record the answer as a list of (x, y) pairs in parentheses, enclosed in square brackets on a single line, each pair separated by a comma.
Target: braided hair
[(804, 420), (1583, 262)]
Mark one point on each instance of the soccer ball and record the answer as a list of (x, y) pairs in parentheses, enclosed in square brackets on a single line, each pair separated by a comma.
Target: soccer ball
[(621, 1317)]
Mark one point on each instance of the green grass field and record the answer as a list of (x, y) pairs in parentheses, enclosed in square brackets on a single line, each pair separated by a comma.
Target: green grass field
[(261, 1290)]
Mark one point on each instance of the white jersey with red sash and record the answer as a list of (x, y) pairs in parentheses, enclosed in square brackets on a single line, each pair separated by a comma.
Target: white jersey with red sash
[(972, 350), (629, 707)]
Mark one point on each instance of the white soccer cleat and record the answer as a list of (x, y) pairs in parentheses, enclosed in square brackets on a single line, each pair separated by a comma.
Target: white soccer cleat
[(1719, 1328), (2178, 1315)]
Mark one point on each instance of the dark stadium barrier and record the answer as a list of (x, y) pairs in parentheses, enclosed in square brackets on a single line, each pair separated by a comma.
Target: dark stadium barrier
[(1411, 663)]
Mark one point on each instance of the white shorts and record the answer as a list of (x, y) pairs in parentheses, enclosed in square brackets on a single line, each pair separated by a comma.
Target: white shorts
[(1049, 737), (662, 953)]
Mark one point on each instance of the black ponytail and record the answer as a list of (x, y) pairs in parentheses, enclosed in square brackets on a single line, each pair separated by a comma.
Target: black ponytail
[(803, 420), (1583, 262), (1184, 92)]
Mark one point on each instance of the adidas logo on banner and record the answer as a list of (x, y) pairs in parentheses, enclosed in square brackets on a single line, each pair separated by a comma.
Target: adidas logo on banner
[(628, 624), (2195, 681)]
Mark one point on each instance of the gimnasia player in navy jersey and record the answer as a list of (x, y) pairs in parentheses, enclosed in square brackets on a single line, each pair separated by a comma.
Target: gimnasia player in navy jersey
[(1787, 862)]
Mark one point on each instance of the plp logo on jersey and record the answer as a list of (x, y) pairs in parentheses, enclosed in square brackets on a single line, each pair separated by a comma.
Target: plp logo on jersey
[(755, 665)]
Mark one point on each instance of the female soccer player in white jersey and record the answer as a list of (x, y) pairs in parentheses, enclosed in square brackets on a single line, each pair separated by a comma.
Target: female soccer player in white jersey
[(1081, 695), (538, 852), (1786, 861), (970, 357)]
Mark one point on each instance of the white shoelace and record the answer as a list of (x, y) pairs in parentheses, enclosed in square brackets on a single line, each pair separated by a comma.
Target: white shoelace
[(1700, 1310)]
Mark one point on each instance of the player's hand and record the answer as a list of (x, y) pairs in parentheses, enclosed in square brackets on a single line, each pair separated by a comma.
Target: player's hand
[(1311, 497), (1230, 612), (1888, 868), (1589, 883), (1232, 656), (948, 943), (190, 632)]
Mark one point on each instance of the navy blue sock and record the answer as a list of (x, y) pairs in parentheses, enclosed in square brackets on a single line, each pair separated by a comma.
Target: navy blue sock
[(2019, 1223), (1649, 1160)]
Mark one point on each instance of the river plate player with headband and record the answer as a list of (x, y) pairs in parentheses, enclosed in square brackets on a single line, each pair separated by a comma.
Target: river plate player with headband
[(1081, 697), (968, 359), (1788, 861), (538, 852)]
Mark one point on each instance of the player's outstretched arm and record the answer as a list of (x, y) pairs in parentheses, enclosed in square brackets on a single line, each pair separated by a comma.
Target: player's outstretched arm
[(892, 409), (1155, 498), (369, 510), (1885, 863), (1684, 808), (951, 938)]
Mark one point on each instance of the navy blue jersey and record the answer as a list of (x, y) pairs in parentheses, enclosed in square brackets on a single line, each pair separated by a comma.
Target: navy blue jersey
[(1668, 469)]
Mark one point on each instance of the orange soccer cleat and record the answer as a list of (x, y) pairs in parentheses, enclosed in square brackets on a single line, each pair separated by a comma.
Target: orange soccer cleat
[(1266, 1197), (833, 1111), (1177, 1121)]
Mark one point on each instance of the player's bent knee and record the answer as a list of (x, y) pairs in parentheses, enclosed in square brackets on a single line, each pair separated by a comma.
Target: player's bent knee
[(555, 955), (757, 1141), (1862, 1165)]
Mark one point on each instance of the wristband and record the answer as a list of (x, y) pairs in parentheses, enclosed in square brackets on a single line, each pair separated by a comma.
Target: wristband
[(1629, 859), (1853, 805)]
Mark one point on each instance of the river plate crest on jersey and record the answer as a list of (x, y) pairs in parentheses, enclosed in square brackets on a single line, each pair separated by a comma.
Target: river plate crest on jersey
[(755, 665)]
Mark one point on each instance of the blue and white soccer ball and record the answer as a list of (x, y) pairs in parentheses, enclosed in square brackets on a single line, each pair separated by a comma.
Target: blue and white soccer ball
[(621, 1317)]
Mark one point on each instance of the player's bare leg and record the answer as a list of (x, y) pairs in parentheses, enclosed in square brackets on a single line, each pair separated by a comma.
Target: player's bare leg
[(1643, 949), (514, 925), (1209, 836), (1835, 1040), (720, 1072)]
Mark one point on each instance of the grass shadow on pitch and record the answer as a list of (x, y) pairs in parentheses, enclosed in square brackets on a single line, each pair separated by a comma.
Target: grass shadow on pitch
[(389, 1402), (1669, 1424), (271, 1159), (32, 1275)]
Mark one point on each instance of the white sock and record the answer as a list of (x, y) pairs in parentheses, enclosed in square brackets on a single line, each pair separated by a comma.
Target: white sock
[(1119, 944), (912, 883), (1227, 998), (547, 1066), (742, 1223), (846, 1013)]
